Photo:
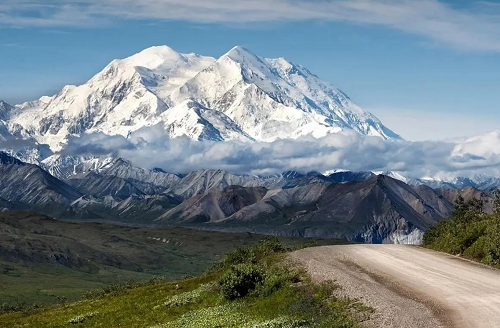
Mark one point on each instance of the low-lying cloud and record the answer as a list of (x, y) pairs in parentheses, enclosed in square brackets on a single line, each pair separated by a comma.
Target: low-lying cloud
[(473, 25), (149, 147)]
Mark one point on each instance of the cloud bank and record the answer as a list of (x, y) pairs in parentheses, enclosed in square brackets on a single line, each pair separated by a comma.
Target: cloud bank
[(148, 147), (475, 27)]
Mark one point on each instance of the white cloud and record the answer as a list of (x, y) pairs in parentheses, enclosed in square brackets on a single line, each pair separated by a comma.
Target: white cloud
[(148, 147), (475, 28)]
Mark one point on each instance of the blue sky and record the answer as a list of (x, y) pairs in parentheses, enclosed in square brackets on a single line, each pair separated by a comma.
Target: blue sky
[(429, 69)]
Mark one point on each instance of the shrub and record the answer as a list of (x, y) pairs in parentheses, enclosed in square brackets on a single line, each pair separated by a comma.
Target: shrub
[(251, 254), (14, 307), (477, 250), (241, 255), (18, 306), (492, 244), (271, 245), (81, 318), (240, 280), (276, 278)]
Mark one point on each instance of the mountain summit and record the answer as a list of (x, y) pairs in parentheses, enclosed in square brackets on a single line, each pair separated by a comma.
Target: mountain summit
[(239, 96)]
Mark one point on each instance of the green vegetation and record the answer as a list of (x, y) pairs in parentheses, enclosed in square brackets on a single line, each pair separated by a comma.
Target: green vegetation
[(469, 232), (253, 286), (44, 261)]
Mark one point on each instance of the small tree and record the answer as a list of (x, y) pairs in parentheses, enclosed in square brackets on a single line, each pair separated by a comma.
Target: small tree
[(496, 202), (468, 211)]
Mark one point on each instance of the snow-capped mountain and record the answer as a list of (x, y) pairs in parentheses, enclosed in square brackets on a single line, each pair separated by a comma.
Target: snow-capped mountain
[(394, 175), (239, 96), (479, 181)]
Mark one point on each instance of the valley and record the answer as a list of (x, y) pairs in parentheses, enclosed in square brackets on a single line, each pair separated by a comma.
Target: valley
[(43, 260)]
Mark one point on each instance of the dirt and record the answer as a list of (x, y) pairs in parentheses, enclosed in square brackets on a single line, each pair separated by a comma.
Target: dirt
[(410, 286)]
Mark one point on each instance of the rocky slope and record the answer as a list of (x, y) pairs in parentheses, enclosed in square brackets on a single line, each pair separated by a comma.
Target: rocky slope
[(28, 184), (381, 209)]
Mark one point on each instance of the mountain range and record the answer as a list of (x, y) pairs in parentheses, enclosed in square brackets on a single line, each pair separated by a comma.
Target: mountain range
[(373, 209)]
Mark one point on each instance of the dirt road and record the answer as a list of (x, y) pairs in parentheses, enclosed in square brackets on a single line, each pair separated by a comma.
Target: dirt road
[(410, 286)]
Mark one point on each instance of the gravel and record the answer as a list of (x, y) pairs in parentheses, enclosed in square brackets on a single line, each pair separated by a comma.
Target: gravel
[(409, 286)]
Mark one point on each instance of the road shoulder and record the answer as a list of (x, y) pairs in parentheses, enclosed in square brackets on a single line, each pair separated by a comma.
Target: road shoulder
[(395, 305)]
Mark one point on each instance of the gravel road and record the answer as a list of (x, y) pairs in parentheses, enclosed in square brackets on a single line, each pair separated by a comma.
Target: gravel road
[(409, 286)]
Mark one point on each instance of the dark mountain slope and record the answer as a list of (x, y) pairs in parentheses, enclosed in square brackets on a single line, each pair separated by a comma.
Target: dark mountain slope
[(378, 210), (215, 205), (99, 185), (29, 184)]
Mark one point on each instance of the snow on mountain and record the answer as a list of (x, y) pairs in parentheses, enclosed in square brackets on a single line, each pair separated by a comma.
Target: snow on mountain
[(273, 98), (64, 167), (479, 181), (125, 170), (120, 99), (394, 175), (482, 182), (239, 96), (200, 123)]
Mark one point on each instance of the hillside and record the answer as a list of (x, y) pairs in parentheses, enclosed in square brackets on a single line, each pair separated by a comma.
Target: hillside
[(251, 287), (469, 232), (42, 259)]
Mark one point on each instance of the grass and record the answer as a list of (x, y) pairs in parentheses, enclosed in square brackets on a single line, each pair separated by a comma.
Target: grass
[(283, 296), (44, 283)]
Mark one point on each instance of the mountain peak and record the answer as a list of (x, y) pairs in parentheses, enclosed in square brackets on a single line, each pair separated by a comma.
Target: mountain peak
[(162, 51), (239, 50), (154, 57), (240, 54)]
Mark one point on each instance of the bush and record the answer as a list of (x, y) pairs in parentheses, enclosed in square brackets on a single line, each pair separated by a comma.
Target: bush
[(492, 244), (240, 280), (477, 250), (271, 245), (276, 278), (18, 306), (251, 254)]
